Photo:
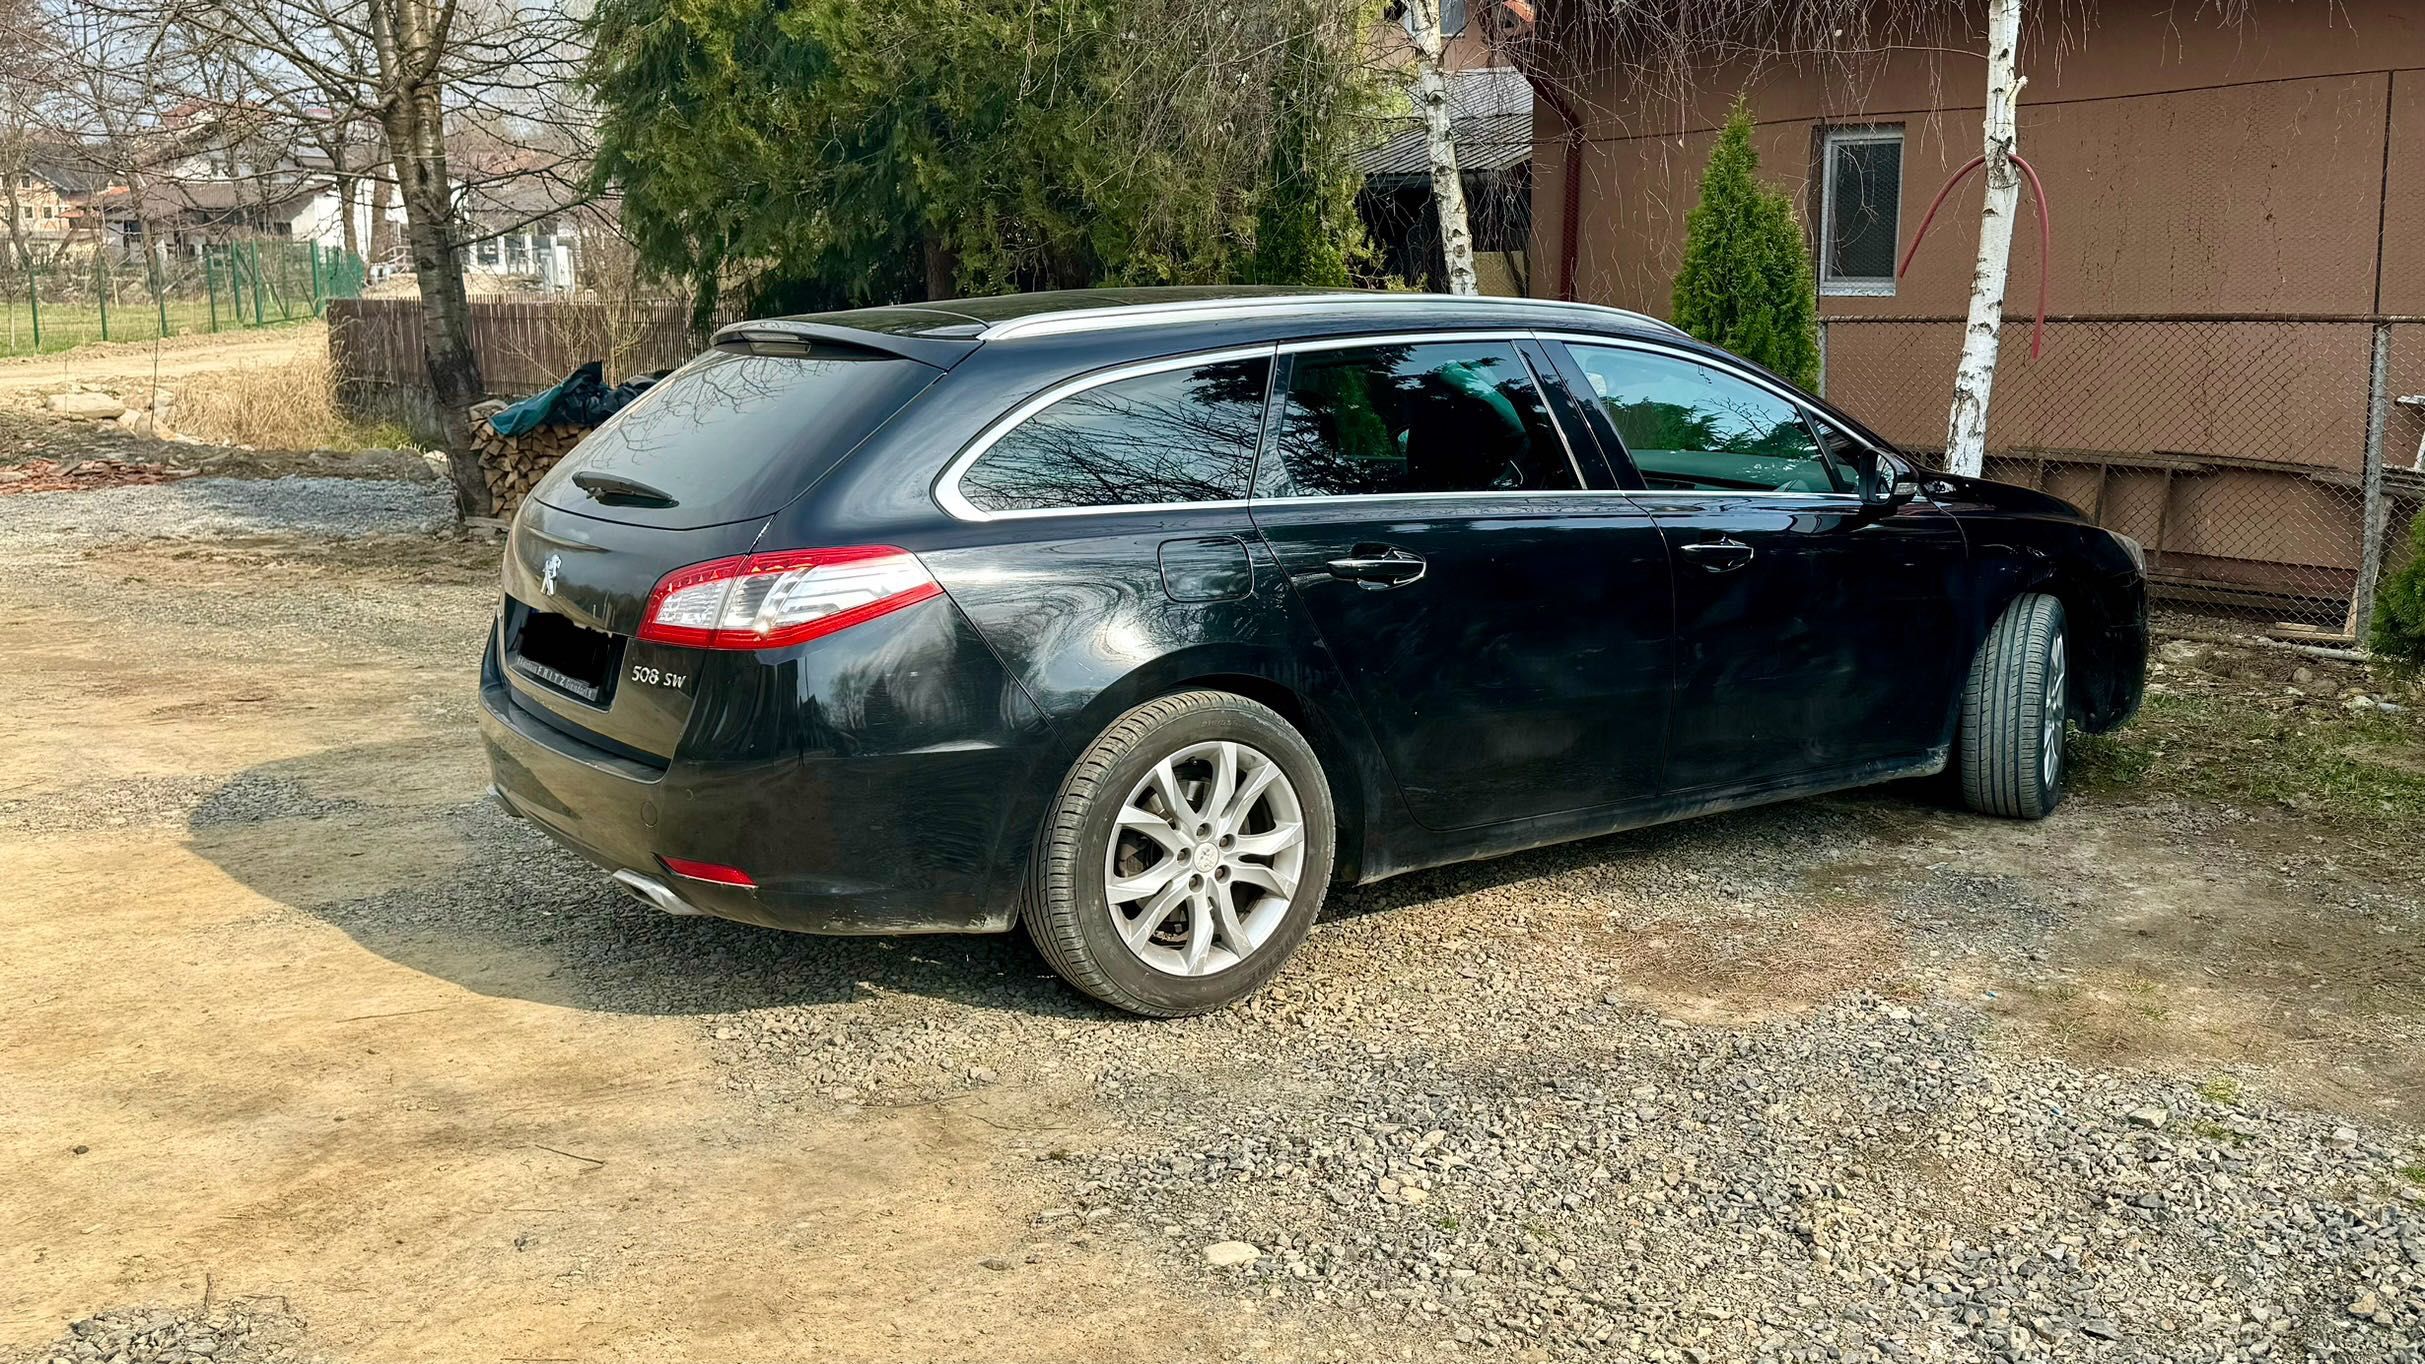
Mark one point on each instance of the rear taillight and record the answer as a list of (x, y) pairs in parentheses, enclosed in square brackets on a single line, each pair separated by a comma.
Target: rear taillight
[(765, 601)]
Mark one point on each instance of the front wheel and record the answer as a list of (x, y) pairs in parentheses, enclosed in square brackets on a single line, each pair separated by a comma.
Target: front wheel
[(1185, 856), (2014, 708)]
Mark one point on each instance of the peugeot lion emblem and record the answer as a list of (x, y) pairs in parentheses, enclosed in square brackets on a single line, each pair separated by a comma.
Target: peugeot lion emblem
[(547, 574)]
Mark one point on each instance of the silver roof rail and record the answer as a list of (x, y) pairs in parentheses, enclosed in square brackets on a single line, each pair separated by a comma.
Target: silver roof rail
[(1214, 310)]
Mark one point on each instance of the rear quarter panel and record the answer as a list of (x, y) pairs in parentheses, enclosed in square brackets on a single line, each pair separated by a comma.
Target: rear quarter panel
[(1084, 612)]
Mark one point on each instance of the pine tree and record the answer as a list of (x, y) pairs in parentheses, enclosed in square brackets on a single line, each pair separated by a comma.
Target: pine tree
[(1746, 281), (2398, 636)]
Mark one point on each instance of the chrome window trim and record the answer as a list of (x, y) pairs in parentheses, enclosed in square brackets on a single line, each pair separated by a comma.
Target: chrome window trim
[(947, 492), (947, 484), (1214, 310), (1512, 332)]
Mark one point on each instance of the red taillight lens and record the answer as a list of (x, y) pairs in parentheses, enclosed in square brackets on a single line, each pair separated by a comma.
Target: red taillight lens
[(708, 871), (765, 601)]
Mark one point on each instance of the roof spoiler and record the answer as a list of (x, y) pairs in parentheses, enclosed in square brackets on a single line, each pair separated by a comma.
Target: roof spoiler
[(942, 352)]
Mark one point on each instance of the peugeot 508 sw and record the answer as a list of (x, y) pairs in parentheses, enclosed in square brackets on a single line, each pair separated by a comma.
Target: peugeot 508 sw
[(1142, 618)]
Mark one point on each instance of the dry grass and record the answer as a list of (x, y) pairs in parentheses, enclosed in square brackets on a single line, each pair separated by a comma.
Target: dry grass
[(288, 406)]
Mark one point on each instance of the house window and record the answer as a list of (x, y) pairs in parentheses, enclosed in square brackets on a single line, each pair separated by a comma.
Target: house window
[(484, 251), (1452, 19), (1861, 213)]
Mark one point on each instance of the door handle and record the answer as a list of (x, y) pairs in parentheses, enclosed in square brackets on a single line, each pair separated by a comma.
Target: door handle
[(1722, 555), (1375, 567)]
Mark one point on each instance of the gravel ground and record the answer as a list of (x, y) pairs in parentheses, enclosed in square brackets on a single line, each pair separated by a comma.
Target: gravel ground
[(255, 1332), (1440, 1132), (1732, 1090), (214, 508)]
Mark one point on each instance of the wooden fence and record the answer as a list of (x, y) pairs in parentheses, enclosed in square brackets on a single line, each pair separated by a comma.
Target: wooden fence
[(374, 345)]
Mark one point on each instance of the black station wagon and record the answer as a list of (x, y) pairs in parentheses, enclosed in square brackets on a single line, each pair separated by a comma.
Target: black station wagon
[(1141, 618)]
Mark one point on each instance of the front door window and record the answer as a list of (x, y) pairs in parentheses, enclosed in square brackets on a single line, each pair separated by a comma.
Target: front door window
[(1694, 427)]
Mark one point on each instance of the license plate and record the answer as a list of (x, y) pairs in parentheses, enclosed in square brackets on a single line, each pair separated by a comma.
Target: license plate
[(571, 658)]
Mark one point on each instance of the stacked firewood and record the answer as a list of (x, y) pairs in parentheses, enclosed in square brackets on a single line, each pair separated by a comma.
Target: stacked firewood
[(515, 464)]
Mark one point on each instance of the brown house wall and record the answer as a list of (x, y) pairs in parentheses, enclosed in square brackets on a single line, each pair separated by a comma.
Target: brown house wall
[(2191, 166), (2194, 171)]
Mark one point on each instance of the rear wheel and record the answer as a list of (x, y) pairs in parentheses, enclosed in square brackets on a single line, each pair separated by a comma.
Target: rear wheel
[(1185, 856), (2014, 708)]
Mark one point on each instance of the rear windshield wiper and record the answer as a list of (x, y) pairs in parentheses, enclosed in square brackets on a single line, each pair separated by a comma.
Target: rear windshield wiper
[(621, 492)]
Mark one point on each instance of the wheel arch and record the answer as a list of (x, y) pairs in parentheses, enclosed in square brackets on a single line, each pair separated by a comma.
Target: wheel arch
[(1327, 719), (2101, 620), (2103, 597)]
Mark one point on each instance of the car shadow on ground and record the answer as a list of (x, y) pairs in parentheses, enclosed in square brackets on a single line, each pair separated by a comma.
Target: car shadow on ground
[(394, 852)]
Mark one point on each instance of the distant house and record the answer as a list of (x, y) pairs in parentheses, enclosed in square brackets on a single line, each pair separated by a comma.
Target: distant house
[(191, 213), (54, 196), (1490, 109), (524, 214)]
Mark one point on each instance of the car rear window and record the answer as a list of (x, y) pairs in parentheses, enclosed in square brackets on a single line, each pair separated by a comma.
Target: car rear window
[(734, 434)]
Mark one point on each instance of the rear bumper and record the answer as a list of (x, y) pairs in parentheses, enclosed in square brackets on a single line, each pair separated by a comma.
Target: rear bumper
[(881, 830)]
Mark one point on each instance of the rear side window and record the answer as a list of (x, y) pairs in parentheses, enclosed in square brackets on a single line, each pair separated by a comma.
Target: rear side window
[(1178, 436), (1692, 427), (1436, 417), (736, 433)]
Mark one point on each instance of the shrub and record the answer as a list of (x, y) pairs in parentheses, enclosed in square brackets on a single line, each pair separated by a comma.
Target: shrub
[(1746, 282), (2398, 635)]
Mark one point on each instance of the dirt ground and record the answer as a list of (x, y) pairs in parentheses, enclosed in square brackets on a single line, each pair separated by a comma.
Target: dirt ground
[(121, 365), (286, 1013)]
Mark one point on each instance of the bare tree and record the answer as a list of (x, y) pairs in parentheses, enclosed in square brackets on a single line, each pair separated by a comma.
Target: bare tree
[(406, 67), (1440, 141), (1975, 376), (27, 54)]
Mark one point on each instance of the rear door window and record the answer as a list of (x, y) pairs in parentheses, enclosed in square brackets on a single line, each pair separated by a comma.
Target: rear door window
[(734, 434), (1172, 437), (1416, 417), (1694, 427)]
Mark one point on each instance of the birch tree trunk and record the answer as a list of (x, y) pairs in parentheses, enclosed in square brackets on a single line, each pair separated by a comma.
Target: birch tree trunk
[(1439, 137), (1975, 377)]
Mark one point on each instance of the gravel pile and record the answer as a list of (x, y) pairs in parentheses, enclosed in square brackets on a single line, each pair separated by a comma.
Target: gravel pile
[(244, 1332), (206, 508), (339, 553)]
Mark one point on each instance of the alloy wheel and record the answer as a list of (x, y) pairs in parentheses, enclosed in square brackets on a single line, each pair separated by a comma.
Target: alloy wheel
[(1205, 858), (2056, 705)]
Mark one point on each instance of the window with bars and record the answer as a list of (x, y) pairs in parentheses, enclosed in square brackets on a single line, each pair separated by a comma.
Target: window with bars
[(1861, 210)]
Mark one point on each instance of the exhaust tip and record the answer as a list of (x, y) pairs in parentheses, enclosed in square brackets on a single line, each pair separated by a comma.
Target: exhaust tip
[(655, 894)]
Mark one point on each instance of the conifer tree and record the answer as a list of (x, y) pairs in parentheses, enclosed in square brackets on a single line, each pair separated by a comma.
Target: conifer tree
[(1746, 282)]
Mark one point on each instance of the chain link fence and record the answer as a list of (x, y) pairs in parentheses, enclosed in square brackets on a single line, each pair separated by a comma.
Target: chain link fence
[(2270, 465), (129, 294)]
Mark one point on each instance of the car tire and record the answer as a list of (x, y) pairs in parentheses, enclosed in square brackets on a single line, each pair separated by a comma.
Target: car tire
[(2014, 709), (1113, 827)]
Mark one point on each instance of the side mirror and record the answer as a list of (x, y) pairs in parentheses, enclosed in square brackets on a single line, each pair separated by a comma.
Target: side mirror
[(1886, 484)]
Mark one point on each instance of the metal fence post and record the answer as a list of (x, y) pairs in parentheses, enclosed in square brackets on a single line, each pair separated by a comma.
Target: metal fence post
[(33, 299), (2374, 518), (101, 289), (315, 245), (151, 270), (258, 319), (210, 288)]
